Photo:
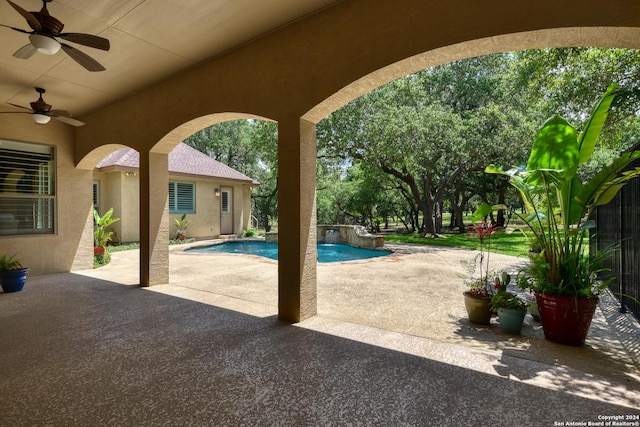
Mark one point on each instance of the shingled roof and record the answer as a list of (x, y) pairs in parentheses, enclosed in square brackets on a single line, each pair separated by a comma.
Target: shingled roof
[(183, 160)]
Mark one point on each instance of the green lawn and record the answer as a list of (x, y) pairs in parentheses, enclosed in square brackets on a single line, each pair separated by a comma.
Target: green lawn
[(515, 244)]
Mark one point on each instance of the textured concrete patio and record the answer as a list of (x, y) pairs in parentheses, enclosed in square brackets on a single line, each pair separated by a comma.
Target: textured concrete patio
[(390, 346)]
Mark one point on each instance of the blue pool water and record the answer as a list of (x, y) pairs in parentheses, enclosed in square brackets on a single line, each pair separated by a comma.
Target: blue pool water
[(327, 252)]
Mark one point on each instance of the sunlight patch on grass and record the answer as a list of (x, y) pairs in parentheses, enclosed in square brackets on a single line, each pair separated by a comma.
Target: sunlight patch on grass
[(515, 244)]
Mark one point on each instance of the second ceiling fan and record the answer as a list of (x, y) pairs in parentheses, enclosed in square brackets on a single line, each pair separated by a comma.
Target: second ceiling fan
[(46, 29)]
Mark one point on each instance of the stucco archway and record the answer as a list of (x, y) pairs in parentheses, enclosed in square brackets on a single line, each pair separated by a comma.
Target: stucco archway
[(154, 209), (601, 37), (300, 73)]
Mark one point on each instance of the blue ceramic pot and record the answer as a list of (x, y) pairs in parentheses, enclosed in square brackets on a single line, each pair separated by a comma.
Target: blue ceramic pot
[(14, 280)]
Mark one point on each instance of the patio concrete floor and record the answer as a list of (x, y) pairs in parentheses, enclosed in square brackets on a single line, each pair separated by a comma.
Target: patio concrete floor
[(390, 345)]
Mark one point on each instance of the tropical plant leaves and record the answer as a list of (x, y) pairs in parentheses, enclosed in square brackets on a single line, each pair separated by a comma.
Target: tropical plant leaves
[(589, 136), (555, 149)]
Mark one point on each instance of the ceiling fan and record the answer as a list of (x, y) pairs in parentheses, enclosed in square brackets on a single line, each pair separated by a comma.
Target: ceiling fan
[(46, 29), (42, 112)]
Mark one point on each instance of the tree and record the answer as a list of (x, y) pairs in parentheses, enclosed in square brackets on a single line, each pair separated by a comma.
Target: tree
[(250, 147), (431, 129)]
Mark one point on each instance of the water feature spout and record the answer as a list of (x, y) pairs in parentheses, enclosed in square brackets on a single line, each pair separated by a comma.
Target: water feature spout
[(331, 236)]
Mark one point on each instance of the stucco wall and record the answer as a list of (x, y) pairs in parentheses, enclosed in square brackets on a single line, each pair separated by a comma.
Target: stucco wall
[(70, 248), (296, 76), (120, 191)]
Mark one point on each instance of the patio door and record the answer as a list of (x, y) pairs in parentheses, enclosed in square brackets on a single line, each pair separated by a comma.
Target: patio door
[(226, 210)]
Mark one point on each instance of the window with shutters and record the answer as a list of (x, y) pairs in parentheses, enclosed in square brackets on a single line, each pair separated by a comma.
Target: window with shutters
[(182, 197), (226, 208), (96, 195), (27, 188)]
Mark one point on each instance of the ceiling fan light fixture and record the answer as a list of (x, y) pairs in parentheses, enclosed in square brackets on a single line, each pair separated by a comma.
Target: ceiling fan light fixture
[(42, 119), (44, 44)]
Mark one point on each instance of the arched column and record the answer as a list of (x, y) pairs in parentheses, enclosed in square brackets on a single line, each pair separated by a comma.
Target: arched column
[(154, 218), (297, 253)]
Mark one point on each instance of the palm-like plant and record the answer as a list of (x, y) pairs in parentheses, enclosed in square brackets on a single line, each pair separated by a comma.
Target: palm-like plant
[(100, 235), (559, 206)]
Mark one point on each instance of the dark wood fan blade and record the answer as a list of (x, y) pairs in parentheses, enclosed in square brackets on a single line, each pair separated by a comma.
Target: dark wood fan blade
[(26, 51), (82, 58), (31, 20), (20, 106), (16, 29), (87, 40), (68, 120), (63, 113)]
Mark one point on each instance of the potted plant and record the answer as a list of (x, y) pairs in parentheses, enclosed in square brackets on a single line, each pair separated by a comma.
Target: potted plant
[(511, 309), (181, 225), (100, 235), (12, 274), (477, 299), (558, 213), (532, 308)]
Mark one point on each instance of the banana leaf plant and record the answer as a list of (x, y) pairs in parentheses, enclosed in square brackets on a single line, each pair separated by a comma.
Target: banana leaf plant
[(559, 206), (100, 235)]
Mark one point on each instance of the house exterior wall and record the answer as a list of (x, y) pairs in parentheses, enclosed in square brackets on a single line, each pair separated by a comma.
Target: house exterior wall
[(205, 222), (120, 190), (129, 208), (70, 248), (246, 198)]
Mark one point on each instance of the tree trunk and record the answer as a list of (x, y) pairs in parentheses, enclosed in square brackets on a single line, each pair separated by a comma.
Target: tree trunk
[(500, 221)]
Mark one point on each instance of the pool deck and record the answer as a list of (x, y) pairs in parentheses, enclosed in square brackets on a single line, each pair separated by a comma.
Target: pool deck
[(390, 345)]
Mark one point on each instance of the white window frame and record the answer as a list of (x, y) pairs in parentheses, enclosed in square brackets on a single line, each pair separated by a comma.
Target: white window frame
[(96, 195), (27, 207), (225, 209), (182, 197)]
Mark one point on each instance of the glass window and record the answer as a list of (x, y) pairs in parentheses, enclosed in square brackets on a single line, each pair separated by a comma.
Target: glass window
[(182, 197), (27, 188), (226, 198), (96, 195)]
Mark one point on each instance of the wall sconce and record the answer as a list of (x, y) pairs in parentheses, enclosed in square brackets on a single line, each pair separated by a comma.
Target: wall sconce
[(217, 191), (130, 173)]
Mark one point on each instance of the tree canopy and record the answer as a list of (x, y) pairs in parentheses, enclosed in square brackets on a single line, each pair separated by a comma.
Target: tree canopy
[(418, 146)]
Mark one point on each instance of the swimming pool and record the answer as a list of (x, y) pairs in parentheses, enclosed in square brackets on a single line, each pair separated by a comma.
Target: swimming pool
[(327, 252)]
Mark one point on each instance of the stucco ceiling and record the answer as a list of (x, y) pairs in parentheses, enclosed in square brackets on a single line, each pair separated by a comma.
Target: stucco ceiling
[(150, 41)]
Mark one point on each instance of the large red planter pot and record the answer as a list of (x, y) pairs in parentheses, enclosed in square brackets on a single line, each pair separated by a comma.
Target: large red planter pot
[(566, 320)]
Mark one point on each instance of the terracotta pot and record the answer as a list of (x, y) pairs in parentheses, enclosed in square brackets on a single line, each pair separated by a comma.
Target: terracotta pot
[(478, 309), (98, 252), (566, 320)]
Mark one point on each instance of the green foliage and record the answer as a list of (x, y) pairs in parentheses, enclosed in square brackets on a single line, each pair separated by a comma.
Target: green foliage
[(181, 241), (250, 147), (502, 243), (100, 235), (428, 131), (99, 261), (249, 233), (181, 224), (9, 263), (427, 137), (559, 206), (507, 300)]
